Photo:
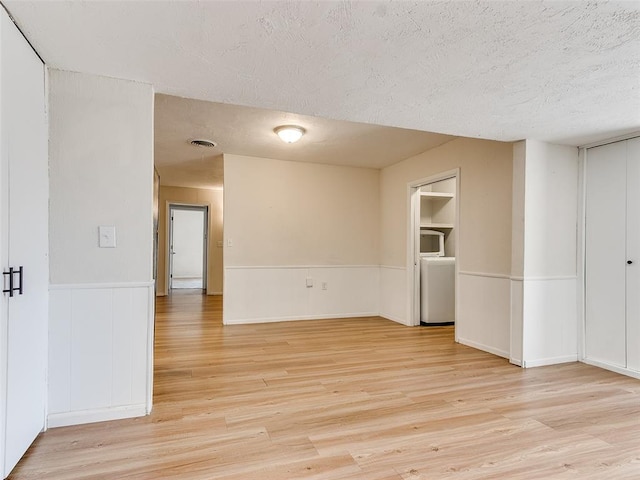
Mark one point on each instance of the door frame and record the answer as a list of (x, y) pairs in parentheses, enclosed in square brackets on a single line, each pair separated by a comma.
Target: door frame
[(203, 207), (413, 244)]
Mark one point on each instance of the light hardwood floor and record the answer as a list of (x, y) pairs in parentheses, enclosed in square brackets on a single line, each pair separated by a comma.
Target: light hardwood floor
[(348, 399)]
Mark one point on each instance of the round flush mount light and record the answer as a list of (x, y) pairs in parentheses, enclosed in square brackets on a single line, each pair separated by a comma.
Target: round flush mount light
[(289, 133), (201, 142)]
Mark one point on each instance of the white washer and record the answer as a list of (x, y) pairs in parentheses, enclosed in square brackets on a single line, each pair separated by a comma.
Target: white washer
[(437, 289)]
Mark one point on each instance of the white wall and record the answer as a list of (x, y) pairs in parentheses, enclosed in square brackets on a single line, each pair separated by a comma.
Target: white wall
[(101, 143), (287, 221), (544, 256), (484, 258), (101, 314)]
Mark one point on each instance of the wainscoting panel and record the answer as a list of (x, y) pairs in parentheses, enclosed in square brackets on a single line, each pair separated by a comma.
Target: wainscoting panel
[(99, 357), (273, 294), (484, 312), (550, 321), (393, 294), (515, 355)]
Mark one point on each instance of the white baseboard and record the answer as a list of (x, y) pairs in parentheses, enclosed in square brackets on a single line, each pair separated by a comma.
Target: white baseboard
[(302, 317), (612, 368), (394, 318), (515, 361), (541, 362), (95, 415), (484, 348)]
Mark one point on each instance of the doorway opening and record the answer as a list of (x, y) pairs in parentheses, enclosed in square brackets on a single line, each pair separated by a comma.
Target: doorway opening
[(188, 229), (433, 249)]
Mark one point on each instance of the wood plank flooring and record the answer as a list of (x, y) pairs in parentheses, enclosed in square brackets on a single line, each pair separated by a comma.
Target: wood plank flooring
[(348, 399)]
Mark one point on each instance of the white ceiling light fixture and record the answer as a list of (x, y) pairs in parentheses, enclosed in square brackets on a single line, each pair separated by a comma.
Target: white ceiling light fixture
[(289, 133)]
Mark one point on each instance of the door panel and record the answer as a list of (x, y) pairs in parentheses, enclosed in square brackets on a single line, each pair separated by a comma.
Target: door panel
[(25, 195), (605, 329), (633, 254)]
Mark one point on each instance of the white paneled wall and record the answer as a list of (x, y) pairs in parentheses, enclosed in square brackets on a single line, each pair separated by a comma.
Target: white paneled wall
[(552, 338), (393, 294), (271, 294), (100, 357), (484, 310)]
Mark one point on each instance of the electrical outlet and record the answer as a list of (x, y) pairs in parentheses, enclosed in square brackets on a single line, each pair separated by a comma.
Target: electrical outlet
[(309, 282), (324, 285)]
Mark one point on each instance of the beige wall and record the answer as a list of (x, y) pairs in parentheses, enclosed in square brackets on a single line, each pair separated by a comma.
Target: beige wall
[(294, 213), (485, 202), (194, 196)]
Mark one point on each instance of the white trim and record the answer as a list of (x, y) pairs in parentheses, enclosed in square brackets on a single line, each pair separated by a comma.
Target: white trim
[(299, 318), (288, 267), (390, 267), (620, 138), (393, 318), (544, 279), (515, 361), (94, 415), (435, 178), (541, 362), (612, 368), (581, 253), (79, 286), (484, 348), (485, 274), (516, 278), (46, 371), (151, 309)]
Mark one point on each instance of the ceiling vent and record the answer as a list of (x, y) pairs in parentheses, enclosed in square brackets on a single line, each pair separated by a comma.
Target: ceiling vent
[(199, 142)]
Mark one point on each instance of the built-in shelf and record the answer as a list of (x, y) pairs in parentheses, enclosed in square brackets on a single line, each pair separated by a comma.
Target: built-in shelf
[(436, 225), (437, 194)]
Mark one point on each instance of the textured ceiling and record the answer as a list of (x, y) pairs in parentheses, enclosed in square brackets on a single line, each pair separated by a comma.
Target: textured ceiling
[(564, 72), (249, 131)]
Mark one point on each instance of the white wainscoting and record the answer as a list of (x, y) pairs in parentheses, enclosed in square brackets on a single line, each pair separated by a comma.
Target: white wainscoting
[(484, 312), (100, 352), (550, 321), (279, 293), (515, 352), (393, 294)]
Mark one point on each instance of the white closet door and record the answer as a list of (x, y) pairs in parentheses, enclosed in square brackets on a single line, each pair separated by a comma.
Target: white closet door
[(633, 254), (24, 227), (606, 200)]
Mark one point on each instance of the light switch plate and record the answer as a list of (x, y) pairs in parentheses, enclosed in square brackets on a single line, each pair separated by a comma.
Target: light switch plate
[(107, 236)]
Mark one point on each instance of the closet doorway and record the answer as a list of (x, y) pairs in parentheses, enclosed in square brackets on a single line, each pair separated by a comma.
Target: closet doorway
[(188, 227), (433, 249)]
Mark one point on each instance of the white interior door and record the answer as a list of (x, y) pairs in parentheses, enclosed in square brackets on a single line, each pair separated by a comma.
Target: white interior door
[(633, 254), (24, 226), (605, 290)]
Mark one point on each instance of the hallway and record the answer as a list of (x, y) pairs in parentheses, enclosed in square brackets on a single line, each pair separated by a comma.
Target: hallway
[(347, 399)]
